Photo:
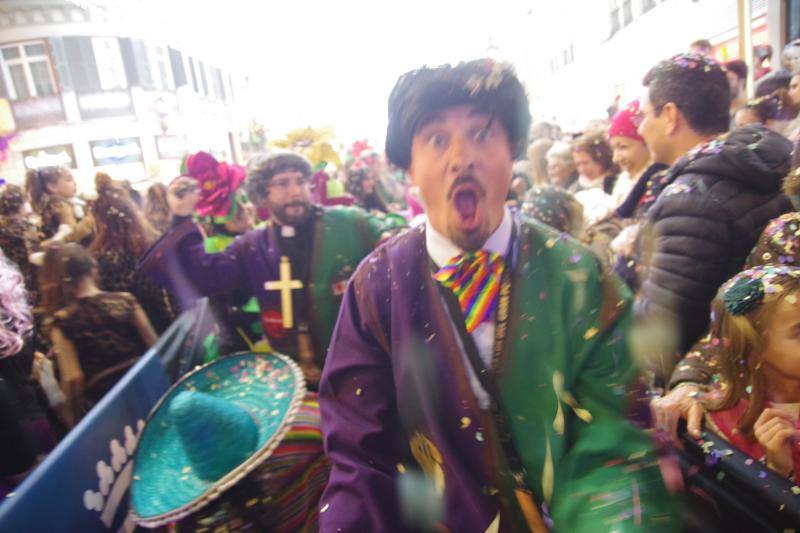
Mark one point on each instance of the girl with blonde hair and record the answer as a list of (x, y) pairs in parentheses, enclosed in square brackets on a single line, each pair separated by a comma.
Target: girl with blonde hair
[(755, 333)]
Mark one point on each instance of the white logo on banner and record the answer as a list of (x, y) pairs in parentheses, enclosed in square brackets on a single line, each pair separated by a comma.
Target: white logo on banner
[(114, 479)]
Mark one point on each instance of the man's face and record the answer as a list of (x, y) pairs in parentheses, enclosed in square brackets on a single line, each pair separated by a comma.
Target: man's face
[(653, 129), (462, 161), (288, 197)]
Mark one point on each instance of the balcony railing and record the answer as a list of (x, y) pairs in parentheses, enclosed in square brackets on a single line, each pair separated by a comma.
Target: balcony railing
[(38, 112)]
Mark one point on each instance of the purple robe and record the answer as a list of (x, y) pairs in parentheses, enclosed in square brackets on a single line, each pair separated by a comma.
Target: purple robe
[(430, 391), (395, 395)]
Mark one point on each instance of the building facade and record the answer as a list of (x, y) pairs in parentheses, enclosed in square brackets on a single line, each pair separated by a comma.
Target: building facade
[(96, 89), (581, 72)]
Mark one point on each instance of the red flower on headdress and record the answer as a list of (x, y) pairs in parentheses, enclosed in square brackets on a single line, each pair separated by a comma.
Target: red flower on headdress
[(218, 183), (361, 154)]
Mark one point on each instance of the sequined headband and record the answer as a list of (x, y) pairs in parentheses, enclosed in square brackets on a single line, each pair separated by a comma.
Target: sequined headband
[(748, 289), (693, 61)]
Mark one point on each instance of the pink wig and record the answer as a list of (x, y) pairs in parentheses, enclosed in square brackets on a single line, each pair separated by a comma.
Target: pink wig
[(16, 321)]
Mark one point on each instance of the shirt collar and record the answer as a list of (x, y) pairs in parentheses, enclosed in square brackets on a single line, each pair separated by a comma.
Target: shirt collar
[(442, 250), (586, 183)]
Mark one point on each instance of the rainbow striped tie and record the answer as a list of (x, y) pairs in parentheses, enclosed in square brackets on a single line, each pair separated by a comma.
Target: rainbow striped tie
[(475, 280)]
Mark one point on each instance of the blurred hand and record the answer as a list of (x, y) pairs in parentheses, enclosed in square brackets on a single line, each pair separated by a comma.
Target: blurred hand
[(182, 196), (680, 403), (64, 231), (38, 362), (311, 372), (774, 431)]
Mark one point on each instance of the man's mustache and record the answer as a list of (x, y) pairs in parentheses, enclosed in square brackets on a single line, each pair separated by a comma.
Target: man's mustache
[(463, 180)]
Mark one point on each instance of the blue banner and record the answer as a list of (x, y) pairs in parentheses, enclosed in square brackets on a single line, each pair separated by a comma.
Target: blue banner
[(83, 484)]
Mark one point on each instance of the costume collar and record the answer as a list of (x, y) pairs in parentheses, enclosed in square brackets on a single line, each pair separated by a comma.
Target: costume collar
[(441, 249), (586, 183)]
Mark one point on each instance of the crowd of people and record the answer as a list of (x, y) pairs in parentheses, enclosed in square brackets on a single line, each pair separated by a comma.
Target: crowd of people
[(426, 292)]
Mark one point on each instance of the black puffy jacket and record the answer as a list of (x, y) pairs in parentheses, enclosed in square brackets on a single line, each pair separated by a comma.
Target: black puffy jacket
[(718, 199)]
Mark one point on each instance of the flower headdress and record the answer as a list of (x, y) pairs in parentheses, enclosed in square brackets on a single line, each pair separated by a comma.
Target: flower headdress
[(360, 155), (315, 144), (219, 185)]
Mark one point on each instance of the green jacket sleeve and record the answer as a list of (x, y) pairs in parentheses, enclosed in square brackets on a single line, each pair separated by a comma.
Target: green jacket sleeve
[(379, 227), (608, 478)]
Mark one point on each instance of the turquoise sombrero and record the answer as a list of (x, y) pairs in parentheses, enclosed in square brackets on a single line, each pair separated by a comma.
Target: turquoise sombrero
[(211, 429)]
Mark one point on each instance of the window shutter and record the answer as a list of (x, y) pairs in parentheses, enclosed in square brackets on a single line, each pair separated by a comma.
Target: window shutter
[(203, 79), (59, 58), (142, 64), (126, 49), (178, 70), (3, 90), (137, 65), (193, 72), (82, 64), (219, 85)]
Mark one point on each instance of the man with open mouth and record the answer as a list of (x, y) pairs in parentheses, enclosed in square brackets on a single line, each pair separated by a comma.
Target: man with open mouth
[(476, 376)]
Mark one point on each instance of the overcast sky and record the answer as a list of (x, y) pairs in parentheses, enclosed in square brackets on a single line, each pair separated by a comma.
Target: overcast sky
[(316, 62)]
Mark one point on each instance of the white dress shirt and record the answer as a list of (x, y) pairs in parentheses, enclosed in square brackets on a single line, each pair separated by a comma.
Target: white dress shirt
[(441, 250)]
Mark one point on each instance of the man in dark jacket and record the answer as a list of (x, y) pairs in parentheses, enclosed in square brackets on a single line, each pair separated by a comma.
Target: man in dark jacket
[(720, 192)]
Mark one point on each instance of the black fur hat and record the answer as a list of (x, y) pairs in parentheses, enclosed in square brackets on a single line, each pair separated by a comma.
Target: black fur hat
[(488, 85)]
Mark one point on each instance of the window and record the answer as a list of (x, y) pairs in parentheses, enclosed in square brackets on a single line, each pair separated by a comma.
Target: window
[(614, 16), (193, 72), (203, 79), (110, 67), (792, 20), (178, 67), (161, 67), (26, 70), (219, 86), (627, 13)]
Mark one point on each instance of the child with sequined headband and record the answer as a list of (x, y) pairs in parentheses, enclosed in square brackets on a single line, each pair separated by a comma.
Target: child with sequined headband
[(756, 321)]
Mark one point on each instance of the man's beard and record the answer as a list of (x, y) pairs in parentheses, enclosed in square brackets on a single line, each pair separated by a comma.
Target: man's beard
[(284, 218)]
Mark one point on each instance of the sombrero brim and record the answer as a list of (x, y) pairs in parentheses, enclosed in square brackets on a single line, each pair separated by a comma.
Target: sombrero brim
[(164, 488)]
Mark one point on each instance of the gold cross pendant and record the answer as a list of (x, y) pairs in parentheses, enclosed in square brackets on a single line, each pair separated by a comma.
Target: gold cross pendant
[(286, 285)]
